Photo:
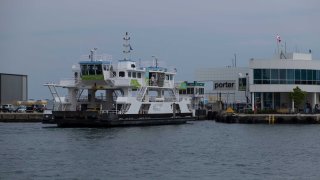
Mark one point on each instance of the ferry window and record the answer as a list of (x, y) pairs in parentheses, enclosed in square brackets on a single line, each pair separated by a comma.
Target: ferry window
[(84, 70), (167, 77), (170, 77), (191, 90), (91, 70), (129, 74), (98, 69), (139, 75), (114, 74), (134, 74), (180, 91), (105, 67), (121, 74)]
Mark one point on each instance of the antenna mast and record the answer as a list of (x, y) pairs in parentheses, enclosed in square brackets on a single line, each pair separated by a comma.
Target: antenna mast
[(92, 54), (127, 47)]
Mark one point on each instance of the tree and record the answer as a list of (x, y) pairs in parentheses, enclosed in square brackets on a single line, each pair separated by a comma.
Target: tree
[(297, 96)]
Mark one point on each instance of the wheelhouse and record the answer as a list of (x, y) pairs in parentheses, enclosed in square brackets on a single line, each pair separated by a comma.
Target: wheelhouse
[(94, 70)]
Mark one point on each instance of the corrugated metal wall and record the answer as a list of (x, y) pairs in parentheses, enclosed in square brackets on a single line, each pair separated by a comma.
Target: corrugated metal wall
[(13, 88)]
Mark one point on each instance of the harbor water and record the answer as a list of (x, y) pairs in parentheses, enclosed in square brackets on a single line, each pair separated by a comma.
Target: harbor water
[(197, 150)]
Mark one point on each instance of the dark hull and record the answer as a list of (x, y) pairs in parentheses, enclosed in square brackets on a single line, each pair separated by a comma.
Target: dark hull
[(94, 119)]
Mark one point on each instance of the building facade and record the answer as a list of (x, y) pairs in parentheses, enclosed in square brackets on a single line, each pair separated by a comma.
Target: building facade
[(228, 85), (273, 79), (13, 88)]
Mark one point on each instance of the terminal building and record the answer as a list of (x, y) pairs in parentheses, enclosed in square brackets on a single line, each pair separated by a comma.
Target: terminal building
[(273, 79), (266, 83), (13, 88)]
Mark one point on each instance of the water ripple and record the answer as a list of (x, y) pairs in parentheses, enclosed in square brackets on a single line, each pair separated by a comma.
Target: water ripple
[(203, 150)]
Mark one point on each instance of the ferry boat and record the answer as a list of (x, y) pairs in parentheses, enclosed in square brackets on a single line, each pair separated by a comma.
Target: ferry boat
[(123, 94)]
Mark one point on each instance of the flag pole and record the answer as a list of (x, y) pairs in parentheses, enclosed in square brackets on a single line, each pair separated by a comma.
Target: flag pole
[(278, 39)]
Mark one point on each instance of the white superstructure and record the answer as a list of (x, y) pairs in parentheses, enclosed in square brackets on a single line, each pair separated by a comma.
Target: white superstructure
[(120, 88)]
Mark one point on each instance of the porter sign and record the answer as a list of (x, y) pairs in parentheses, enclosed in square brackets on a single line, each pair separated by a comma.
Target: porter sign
[(224, 85)]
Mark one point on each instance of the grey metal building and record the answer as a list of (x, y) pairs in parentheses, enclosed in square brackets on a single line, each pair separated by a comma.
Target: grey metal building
[(227, 84), (13, 88)]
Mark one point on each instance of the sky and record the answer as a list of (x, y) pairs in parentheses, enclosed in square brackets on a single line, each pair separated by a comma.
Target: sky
[(44, 38)]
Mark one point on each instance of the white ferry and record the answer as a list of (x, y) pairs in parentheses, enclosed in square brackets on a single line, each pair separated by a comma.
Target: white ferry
[(123, 94)]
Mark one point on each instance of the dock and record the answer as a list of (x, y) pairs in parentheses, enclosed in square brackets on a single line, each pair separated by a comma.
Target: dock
[(268, 118), (21, 117)]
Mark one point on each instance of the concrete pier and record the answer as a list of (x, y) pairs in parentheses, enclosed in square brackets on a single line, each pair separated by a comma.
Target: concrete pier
[(269, 118), (21, 117)]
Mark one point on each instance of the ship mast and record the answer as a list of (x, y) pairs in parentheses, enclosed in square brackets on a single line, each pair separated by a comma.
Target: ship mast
[(92, 54), (127, 47)]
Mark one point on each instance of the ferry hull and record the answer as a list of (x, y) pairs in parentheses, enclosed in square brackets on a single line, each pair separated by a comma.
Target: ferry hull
[(94, 119)]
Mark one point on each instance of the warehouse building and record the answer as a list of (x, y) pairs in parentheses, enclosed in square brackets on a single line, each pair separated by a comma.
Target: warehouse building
[(13, 88), (227, 84)]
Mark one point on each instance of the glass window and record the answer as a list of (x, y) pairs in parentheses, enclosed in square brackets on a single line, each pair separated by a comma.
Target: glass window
[(274, 73), (139, 75), (303, 74), (188, 91), (134, 74), (266, 74), (290, 74), (274, 81), (283, 74), (297, 74), (84, 70), (191, 90), (267, 100), (114, 74), (314, 75), (121, 74), (98, 69), (257, 81), (91, 70), (309, 75), (290, 81), (257, 74), (129, 74), (265, 81)]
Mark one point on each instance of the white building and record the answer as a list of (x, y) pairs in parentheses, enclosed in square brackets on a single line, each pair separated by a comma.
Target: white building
[(271, 80)]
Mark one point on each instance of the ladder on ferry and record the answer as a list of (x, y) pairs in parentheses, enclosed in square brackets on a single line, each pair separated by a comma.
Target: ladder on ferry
[(56, 97), (141, 93)]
